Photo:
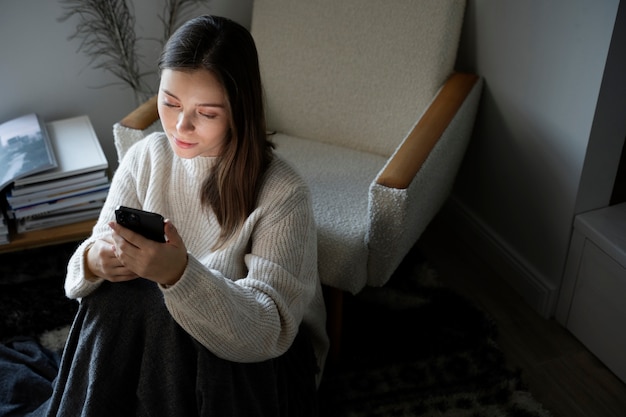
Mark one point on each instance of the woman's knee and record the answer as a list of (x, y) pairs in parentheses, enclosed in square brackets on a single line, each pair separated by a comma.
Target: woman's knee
[(125, 298)]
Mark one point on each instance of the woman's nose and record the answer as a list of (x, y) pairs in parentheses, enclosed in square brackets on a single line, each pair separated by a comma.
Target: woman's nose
[(184, 123)]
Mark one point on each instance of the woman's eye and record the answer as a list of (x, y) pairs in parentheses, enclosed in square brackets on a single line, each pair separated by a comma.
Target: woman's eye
[(171, 105), (209, 116)]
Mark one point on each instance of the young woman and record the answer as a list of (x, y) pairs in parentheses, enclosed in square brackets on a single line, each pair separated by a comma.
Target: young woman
[(226, 318)]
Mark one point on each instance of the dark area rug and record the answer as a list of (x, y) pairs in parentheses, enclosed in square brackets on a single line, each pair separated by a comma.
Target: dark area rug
[(411, 348), (32, 300), (416, 348)]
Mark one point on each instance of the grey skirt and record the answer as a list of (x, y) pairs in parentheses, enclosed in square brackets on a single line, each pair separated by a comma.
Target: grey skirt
[(126, 356)]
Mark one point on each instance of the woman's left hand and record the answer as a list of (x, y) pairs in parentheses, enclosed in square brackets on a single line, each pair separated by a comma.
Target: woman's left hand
[(159, 262)]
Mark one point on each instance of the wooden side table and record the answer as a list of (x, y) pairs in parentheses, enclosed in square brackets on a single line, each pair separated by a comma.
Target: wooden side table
[(52, 236)]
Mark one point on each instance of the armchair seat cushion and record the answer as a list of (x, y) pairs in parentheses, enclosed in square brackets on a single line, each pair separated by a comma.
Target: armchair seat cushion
[(343, 223)]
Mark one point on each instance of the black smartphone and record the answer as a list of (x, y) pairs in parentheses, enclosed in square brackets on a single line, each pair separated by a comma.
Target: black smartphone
[(146, 223)]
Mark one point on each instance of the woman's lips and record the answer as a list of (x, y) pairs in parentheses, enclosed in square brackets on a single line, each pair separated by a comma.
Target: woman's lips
[(183, 144)]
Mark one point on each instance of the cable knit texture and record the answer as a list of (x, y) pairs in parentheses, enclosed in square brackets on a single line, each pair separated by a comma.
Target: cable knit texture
[(245, 301)]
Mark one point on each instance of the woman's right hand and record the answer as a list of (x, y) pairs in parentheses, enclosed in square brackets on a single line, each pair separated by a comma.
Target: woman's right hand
[(102, 262)]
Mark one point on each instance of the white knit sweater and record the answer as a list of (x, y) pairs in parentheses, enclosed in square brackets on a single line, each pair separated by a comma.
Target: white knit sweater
[(245, 301)]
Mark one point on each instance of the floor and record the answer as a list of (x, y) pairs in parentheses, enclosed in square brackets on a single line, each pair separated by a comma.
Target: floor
[(564, 376)]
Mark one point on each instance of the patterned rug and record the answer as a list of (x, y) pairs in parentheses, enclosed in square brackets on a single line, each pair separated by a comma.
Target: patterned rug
[(416, 348), (32, 301), (411, 348)]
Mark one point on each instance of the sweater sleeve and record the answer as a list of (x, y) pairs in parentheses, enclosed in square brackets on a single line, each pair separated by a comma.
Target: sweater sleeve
[(122, 191), (257, 316)]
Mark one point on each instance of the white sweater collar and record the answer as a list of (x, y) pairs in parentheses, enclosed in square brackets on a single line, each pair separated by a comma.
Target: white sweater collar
[(200, 165)]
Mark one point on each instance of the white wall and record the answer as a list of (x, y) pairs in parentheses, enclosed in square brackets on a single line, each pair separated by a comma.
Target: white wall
[(41, 71), (543, 64)]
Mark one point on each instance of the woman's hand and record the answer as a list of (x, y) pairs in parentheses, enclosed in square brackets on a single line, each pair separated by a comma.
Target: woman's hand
[(101, 262), (159, 262)]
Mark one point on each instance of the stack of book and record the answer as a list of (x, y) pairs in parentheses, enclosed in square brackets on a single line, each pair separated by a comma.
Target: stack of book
[(4, 231), (68, 186)]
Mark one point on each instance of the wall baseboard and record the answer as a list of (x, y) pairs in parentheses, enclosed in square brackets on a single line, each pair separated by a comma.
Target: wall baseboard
[(535, 290)]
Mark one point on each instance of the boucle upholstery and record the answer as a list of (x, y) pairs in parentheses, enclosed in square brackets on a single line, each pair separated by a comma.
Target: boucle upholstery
[(124, 137), (399, 216), (356, 73), (339, 179)]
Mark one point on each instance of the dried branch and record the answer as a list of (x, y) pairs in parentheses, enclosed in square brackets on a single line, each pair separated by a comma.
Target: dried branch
[(174, 12), (106, 29)]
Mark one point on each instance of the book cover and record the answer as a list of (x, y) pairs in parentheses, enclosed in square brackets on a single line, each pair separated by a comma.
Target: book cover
[(25, 149), (76, 147)]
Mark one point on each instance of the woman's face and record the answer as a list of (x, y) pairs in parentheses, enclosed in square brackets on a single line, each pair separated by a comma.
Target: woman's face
[(193, 110)]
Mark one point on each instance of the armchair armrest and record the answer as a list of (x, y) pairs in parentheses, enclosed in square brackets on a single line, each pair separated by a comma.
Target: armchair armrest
[(412, 153), (143, 116)]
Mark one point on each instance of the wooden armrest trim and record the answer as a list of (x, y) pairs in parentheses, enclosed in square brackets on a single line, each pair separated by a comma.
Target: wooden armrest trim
[(143, 116), (409, 158)]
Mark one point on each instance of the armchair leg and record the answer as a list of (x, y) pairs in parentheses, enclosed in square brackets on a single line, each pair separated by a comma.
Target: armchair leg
[(334, 310)]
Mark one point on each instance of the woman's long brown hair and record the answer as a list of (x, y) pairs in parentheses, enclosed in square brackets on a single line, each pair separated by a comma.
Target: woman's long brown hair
[(227, 49)]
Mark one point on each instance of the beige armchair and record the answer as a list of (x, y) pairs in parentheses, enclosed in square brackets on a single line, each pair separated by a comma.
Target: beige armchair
[(365, 103)]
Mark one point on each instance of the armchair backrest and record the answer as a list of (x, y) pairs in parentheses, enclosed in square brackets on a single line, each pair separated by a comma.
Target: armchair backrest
[(356, 73)]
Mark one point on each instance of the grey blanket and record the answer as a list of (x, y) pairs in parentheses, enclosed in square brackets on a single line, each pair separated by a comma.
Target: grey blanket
[(27, 372)]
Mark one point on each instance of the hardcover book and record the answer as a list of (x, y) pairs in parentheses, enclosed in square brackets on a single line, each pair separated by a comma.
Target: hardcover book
[(25, 149), (77, 148)]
